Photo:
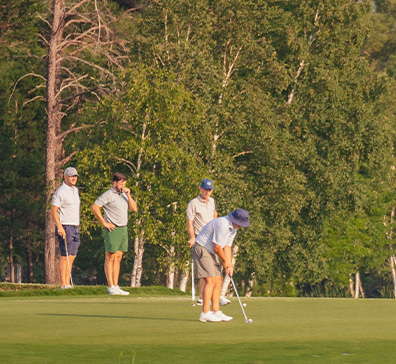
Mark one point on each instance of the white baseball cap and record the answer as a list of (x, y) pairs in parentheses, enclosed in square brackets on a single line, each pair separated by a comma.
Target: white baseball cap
[(70, 171)]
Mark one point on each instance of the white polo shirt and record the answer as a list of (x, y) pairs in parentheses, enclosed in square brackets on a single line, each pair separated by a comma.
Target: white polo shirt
[(201, 212), (218, 231), (67, 199), (115, 206)]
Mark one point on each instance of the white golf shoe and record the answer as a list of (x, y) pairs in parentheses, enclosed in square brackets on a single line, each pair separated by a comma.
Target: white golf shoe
[(112, 291), (209, 317), (121, 292), (222, 316), (224, 301)]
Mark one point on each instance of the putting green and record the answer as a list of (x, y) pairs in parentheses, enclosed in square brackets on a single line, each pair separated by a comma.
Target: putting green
[(103, 329)]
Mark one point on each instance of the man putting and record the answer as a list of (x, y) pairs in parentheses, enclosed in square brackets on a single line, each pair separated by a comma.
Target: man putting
[(115, 203), (214, 242)]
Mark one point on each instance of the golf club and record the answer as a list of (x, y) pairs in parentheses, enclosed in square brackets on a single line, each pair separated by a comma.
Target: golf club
[(68, 263), (192, 285), (248, 321)]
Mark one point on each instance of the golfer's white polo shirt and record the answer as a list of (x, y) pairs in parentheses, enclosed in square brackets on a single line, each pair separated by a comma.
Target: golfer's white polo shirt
[(115, 206), (218, 231), (201, 212), (67, 199)]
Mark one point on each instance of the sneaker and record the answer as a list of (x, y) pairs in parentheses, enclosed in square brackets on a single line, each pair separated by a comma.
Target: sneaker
[(64, 287), (121, 292), (199, 301), (112, 291), (222, 316), (224, 301), (209, 317)]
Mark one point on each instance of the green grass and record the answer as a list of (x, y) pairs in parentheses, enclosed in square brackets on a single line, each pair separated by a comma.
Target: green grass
[(31, 290), (154, 329)]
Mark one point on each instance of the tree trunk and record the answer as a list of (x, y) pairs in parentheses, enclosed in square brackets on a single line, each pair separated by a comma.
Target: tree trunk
[(29, 263), (184, 277), (53, 146), (351, 289), (358, 286), (250, 286), (137, 268), (392, 264), (227, 280), (11, 258), (170, 277)]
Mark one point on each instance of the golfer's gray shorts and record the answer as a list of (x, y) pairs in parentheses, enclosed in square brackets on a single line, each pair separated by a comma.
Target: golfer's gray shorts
[(206, 264), (72, 238)]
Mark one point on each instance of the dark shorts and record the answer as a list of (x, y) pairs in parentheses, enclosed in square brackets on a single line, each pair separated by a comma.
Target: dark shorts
[(116, 240), (72, 238), (207, 264)]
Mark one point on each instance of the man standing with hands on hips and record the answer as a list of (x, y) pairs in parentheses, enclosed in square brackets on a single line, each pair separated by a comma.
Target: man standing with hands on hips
[(116, 202), (214, 242), (65, 210)]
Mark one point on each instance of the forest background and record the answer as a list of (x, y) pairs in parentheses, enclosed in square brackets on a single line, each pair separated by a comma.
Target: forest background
[(288, 106)]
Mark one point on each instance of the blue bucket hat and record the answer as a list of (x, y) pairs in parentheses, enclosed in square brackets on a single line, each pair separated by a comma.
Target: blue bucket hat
[(207, 184), (239, 217)]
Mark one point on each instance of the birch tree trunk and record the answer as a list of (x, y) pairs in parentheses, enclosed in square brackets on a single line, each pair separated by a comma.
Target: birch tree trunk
[(184, 278), (392, 264), (358, 286), (137, 268), (170, 277), (227, 279), (351, 288)]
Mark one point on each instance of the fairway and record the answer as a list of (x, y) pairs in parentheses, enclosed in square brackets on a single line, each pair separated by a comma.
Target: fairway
[(103, 329)]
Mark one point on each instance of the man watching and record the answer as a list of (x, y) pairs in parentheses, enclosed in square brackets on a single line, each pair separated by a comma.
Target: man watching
[(116, 202), (65, 210)]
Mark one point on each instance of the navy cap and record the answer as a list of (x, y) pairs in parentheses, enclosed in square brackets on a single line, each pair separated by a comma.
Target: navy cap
[(207, 184)]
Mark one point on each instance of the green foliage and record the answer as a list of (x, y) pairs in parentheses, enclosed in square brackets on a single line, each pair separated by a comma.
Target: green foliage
[(283, 104)]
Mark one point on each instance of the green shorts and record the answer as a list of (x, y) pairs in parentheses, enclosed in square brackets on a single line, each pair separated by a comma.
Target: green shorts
[(116, 240)]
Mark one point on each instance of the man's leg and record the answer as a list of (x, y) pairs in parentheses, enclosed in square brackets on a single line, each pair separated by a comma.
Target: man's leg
[(208, 293), (71, 261), (201, 287), (216, 293), (116, 267), (109, 268), (63, 271)]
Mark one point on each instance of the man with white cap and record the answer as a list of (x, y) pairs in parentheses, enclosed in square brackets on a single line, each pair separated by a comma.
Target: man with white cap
[(200, 210), (214, 242), (65, 210)]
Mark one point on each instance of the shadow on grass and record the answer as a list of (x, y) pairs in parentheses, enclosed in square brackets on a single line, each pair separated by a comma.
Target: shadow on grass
[(116, 317)]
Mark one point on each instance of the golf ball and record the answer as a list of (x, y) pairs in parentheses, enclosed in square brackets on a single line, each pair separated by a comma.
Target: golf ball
[(249, 321), (244, 305)]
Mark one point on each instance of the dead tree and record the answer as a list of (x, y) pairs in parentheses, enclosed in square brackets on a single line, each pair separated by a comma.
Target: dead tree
[(80, 34)]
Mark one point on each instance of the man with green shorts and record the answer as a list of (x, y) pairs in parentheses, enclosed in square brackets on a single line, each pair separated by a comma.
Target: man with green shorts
[(116, 202)]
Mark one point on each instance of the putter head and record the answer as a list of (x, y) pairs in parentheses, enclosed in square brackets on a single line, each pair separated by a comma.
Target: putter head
[(249, 321)]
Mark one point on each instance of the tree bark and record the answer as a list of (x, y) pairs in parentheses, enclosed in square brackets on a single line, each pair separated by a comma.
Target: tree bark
[(29, 263), (170, 277), (53, 146), (227, 279), (137, 268), (184, 278), (11, 258)]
